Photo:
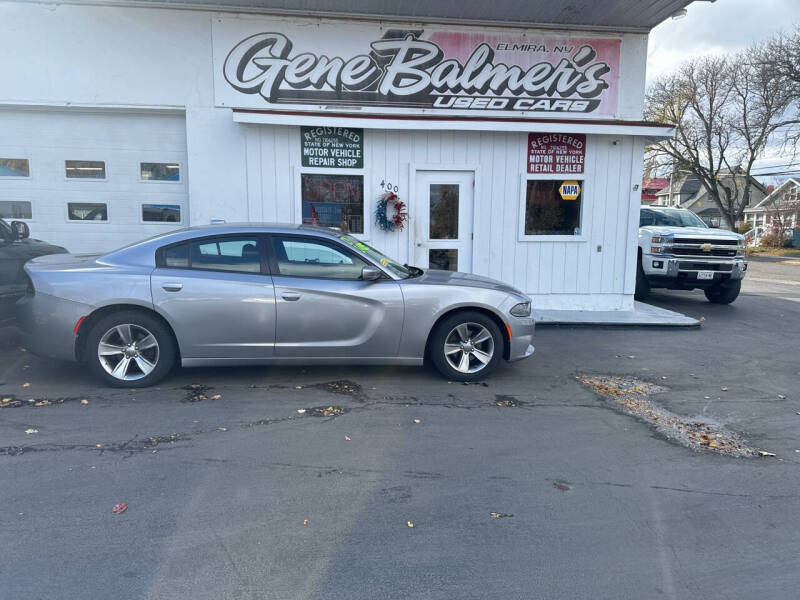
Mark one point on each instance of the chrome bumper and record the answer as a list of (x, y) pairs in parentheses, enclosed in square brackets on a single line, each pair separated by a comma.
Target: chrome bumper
[(671, 266)]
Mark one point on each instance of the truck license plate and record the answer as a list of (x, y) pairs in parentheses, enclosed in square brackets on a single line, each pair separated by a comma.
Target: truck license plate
[(705, 274)]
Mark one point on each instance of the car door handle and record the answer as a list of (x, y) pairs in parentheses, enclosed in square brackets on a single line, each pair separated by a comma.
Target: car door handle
[(290, 296), (172, 287)]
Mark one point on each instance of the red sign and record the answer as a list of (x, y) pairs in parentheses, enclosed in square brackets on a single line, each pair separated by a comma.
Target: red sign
[(557, 153)]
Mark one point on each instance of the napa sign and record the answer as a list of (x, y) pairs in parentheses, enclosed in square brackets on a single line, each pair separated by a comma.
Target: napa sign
[(291, 65)]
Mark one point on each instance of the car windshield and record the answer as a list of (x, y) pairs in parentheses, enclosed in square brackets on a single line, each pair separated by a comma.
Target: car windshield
[(385, 261), (673, 217)]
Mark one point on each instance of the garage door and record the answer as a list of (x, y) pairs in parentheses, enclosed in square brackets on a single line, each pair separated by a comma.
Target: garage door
[(93, 181)]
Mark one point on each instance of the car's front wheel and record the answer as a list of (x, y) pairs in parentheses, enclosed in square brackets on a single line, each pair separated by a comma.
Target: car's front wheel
[(466, 346), (130, 349)]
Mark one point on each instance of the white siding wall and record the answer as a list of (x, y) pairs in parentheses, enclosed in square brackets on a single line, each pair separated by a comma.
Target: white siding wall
[(558, 274)]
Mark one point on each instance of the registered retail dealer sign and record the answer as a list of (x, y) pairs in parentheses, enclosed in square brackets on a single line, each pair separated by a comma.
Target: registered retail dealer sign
[(291, 64), (332, 147), (554, 153)]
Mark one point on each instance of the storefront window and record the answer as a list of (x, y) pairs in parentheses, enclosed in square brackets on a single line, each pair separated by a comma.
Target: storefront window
[(85, 169), (160, 171), (553, 207), (333, 201), (15, 167), (161, 213), (13, 209), (87, 211)]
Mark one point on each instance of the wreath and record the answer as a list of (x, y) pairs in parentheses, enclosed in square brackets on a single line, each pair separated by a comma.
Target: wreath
[(390, 204)]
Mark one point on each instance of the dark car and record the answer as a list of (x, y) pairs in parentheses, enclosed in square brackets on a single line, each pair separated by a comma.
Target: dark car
[(17, 248)]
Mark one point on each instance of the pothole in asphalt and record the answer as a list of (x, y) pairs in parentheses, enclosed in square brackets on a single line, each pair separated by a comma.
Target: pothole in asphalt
[(633, 397), (325, 411), (11, 401), (197, 392), (341, 386), (507, 401)]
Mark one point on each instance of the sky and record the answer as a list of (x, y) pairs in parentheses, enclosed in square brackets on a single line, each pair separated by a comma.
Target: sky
[(721, 27)]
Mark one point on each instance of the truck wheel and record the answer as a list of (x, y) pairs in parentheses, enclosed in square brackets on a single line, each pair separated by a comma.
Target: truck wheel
[(642, 285), (724, 293)]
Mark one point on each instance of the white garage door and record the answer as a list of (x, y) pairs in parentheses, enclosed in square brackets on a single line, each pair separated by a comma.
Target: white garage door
[(93, 181)]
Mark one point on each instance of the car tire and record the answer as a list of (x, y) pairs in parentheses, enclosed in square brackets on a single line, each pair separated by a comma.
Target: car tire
[(724, 293), (133, 336), (642, 285), (466, 346)]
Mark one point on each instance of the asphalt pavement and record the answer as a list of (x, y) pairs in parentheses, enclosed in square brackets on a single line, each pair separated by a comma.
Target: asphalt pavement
[(530, 486)]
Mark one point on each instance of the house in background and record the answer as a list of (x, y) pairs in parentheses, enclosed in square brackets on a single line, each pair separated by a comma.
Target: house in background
[(780, 208), (687, 192), (650, 188)]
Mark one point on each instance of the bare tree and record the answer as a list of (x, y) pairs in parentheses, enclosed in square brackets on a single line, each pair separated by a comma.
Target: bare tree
[(781, 56), (725, 111)]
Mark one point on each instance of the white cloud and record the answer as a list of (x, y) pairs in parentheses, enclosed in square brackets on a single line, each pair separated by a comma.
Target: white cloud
[(719, 27)]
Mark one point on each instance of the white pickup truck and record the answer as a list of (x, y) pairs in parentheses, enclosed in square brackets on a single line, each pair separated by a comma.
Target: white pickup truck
[(679, 252)]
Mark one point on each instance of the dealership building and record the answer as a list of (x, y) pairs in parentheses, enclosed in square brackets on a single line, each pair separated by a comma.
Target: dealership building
[(466, 136)]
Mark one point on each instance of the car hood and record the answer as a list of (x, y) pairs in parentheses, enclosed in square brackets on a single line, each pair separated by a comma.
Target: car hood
[(33, 247), (436, 277), (705, 232)]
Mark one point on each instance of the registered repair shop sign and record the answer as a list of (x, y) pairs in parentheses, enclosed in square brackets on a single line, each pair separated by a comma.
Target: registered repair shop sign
[(570, 190), (332, 147)]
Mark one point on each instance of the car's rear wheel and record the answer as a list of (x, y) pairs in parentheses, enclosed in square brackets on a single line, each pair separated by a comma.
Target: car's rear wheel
[(466, 346), (724, 293), (130, 349)]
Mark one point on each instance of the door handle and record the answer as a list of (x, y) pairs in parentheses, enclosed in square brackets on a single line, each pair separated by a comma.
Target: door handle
[(290, 296), (172, 287)]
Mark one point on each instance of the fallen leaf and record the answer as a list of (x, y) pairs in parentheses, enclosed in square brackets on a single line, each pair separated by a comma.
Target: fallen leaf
[(781, 396), (497, 515), (119, 508), (301, 410), (30, 431), (26, 384), (701, 319), (765, 453), (409, 523), (305, 521), (631, 356), (724, 388), (98, 445), (40, 403), (298, 387), (417, 420), (222, 429), (707, 397), (84, 401), (663, 377), (347, 437), (216, 396)]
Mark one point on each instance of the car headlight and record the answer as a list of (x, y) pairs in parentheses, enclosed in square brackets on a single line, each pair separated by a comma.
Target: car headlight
[(523, 309)]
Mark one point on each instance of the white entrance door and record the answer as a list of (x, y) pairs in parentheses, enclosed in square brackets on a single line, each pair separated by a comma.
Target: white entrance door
[(442, 227)]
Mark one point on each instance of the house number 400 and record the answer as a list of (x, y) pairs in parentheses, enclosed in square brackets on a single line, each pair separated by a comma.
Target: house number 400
[(385, 185)]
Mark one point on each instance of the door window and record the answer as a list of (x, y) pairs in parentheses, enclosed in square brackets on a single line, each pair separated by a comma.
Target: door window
[(443, 211), (235, 254), (305, 257)]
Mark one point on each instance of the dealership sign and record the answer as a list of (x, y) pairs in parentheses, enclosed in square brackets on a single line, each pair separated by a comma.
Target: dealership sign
[(556, 152), (289, 64)]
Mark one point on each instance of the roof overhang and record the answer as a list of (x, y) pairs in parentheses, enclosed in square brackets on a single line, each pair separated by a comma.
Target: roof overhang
[(614, 15), (654, 131)]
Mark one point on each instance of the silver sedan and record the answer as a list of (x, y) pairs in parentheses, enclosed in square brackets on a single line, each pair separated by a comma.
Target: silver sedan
[(255, 294)]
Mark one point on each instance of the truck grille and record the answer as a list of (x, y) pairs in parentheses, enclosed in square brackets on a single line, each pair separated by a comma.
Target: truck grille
[(704, 247), (702, 266)]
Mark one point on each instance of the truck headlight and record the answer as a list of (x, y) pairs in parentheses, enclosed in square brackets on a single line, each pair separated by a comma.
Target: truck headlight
[(523, 309), (661, 244)]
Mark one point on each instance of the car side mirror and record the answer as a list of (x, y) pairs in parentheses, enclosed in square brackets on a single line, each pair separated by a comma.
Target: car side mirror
[(22, 229), (371, 273)]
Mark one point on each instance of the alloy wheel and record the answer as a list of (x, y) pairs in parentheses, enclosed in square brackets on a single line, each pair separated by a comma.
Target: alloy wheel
[(469, 347), (128, 352)]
